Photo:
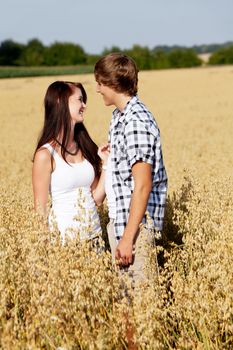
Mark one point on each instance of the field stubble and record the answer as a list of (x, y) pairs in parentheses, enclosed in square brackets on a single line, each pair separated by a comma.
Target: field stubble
[(57, 297)]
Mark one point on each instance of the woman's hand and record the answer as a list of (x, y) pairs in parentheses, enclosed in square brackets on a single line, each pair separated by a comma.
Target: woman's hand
[(103, 152)]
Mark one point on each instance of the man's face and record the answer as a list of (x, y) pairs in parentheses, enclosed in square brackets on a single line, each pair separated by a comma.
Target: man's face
[(109, 95)]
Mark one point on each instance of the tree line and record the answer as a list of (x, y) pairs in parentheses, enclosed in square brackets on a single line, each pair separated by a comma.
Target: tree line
[(35, 54)]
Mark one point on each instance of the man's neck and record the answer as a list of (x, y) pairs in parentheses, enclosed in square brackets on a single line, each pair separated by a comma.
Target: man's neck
[(121, 101)]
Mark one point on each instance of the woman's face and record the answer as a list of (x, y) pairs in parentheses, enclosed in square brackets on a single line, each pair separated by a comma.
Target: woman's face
[(76, 106)]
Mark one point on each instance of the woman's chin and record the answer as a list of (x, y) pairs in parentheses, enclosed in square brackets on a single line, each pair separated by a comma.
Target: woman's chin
[(80, 120)]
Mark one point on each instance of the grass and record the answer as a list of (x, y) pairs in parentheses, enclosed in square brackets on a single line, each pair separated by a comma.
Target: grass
[(16, 72)]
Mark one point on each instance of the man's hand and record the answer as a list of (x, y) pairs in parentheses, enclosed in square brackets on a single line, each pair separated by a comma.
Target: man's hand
[(124, 251)]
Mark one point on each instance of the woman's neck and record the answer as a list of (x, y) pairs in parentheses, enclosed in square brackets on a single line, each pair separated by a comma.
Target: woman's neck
[(71, 137), (71, 147)]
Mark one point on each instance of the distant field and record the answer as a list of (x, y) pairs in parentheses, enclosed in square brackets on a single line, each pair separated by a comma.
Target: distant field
[(14, 72), (53, 298)]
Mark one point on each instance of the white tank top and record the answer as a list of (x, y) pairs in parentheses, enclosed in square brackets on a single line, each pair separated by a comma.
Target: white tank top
[(110, 195), (73, 207)]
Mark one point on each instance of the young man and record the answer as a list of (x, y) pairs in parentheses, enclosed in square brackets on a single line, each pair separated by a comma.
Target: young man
[(136, 180)]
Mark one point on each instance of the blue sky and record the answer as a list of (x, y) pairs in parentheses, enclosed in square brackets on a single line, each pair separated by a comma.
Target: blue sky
[(99, 24)]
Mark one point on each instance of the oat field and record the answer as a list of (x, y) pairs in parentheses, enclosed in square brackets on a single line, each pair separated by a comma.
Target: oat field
[(56, 297)]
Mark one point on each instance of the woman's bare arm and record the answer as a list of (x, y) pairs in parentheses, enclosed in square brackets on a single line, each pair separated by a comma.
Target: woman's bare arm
[(41, 175)]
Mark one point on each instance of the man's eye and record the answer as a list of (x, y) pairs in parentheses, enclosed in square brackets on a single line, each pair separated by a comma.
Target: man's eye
[(81, 99)]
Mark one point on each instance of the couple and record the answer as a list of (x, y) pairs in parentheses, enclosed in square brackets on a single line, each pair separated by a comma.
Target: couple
[(129, 170)]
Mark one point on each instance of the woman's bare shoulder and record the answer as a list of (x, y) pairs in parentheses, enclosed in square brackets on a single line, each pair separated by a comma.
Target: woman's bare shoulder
[(42, 155)]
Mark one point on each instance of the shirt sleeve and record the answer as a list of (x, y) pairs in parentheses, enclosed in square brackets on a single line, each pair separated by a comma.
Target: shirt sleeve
[(141, 142)]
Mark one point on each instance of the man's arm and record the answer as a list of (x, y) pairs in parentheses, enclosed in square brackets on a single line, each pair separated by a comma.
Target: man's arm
[(141, 173)]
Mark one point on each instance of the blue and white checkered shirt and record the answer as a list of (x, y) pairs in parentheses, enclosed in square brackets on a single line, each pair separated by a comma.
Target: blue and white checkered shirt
[(134, 136)]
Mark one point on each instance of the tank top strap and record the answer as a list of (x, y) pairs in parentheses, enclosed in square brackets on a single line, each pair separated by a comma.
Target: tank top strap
[(52, 151)]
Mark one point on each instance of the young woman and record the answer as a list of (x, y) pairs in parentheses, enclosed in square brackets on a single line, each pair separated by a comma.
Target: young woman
[(67, 166)]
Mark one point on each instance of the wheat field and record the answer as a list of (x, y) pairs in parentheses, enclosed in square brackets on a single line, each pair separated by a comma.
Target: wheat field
[(56, 297)]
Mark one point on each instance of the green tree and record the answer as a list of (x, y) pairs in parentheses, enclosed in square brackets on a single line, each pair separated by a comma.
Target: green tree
[(64, 54), (142, 56), (10, 53), (183, 58), (92, 59), (160, 60), (106, 51), (222, 56), (33, 54)]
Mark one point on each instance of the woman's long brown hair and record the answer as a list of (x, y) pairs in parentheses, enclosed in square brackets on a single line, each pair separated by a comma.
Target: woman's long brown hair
[(57, 122)]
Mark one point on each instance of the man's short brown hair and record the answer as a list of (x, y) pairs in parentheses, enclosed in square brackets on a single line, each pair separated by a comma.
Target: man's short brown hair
[(118, 72)]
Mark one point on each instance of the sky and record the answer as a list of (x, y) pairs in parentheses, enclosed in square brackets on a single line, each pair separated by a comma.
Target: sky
[(100, 24)]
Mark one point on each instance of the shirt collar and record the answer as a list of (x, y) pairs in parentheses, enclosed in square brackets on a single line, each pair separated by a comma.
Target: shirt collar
[(120, 117)]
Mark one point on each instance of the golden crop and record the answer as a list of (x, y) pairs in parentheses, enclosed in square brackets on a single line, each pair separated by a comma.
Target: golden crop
[(55, 297)]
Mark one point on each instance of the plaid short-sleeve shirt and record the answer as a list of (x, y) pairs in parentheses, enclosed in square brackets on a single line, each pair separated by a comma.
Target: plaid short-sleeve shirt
[(134, 136)]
